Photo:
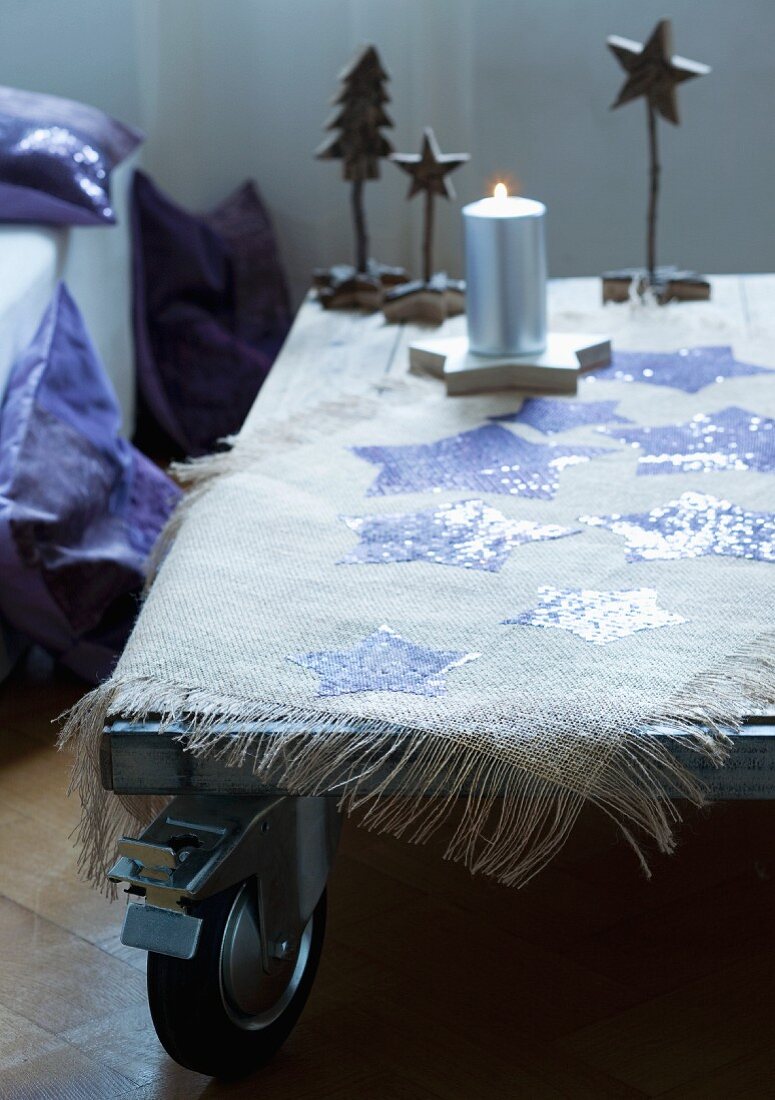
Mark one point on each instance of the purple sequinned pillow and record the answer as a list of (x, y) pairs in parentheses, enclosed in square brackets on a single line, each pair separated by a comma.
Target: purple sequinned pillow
[(80, 508), (210, 312), (56, 156)]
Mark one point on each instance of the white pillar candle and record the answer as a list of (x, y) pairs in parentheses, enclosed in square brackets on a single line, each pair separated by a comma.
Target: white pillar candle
[(505, 275)]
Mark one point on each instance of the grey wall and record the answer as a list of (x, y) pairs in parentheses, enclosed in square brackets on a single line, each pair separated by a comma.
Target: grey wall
[(229, 88), (84, 49)]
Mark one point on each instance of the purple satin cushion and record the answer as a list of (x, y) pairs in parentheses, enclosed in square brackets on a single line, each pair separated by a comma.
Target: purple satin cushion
[(80, 508), (56, 156), (210, 311)]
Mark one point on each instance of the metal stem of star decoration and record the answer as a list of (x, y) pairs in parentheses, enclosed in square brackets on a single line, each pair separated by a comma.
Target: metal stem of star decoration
[(653, 73), (358, 120), (435, 296)]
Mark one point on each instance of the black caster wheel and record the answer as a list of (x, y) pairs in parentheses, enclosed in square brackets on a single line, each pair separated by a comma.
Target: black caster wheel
[(220, 1013)]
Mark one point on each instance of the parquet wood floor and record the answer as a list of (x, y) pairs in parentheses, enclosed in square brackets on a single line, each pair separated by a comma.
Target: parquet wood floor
[(589, 983)]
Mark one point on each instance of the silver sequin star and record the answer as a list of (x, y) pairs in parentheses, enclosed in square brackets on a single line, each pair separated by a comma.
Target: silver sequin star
[(470, 534), (598, 617), (688, 369), (692, 526), (732, 439), (557, 414), (489, 459), (383, 661)]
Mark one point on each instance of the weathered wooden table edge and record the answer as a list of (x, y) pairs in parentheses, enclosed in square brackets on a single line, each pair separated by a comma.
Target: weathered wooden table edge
[(324, 353)]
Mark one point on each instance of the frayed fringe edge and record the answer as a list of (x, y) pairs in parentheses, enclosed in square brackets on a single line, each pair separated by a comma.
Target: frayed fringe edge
[(512, 814)]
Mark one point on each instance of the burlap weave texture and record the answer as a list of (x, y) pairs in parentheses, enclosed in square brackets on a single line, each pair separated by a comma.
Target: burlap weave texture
[(542, 719)]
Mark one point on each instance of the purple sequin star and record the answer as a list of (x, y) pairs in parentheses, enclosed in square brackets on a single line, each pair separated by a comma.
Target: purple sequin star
[(692, 526), (489, 459), (598, 617), (551, 414), (688, 369), (732, 439), (383, 661), (470, 534)]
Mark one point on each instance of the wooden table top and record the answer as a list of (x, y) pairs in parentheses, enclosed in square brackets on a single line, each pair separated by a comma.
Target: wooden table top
[(329, 352)]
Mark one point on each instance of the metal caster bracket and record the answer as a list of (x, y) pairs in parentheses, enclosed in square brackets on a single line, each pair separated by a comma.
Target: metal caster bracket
[(202, 844)]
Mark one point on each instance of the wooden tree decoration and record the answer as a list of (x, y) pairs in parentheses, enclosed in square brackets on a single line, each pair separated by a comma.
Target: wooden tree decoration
[(653, 73), (435, 296), (357, 140)]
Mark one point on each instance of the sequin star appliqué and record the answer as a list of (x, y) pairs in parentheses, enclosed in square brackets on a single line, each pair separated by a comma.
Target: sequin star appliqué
[(469, 534), (598, 617), (556, 414), (732, 439), (489, 459), (692, 526), (688, 369), (383, 661)]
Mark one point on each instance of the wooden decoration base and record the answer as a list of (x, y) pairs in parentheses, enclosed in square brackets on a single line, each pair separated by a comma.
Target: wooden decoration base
[(553, 371), (428, 302), (670, 284), (342, 287)]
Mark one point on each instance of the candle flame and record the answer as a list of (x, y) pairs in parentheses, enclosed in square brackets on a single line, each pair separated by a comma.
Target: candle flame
[(499, 191)]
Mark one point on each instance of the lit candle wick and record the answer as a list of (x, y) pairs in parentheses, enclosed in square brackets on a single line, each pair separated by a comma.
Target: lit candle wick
[(500, 191)]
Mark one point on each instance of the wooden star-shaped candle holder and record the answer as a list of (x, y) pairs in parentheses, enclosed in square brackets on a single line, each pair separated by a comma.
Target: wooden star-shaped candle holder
[(555, 370), (435, 297), (653, 73)]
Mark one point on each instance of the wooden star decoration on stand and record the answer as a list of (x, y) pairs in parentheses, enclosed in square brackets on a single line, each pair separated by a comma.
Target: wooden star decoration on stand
[(653, 73), (435, 296), (653, 70), (430, 167)]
